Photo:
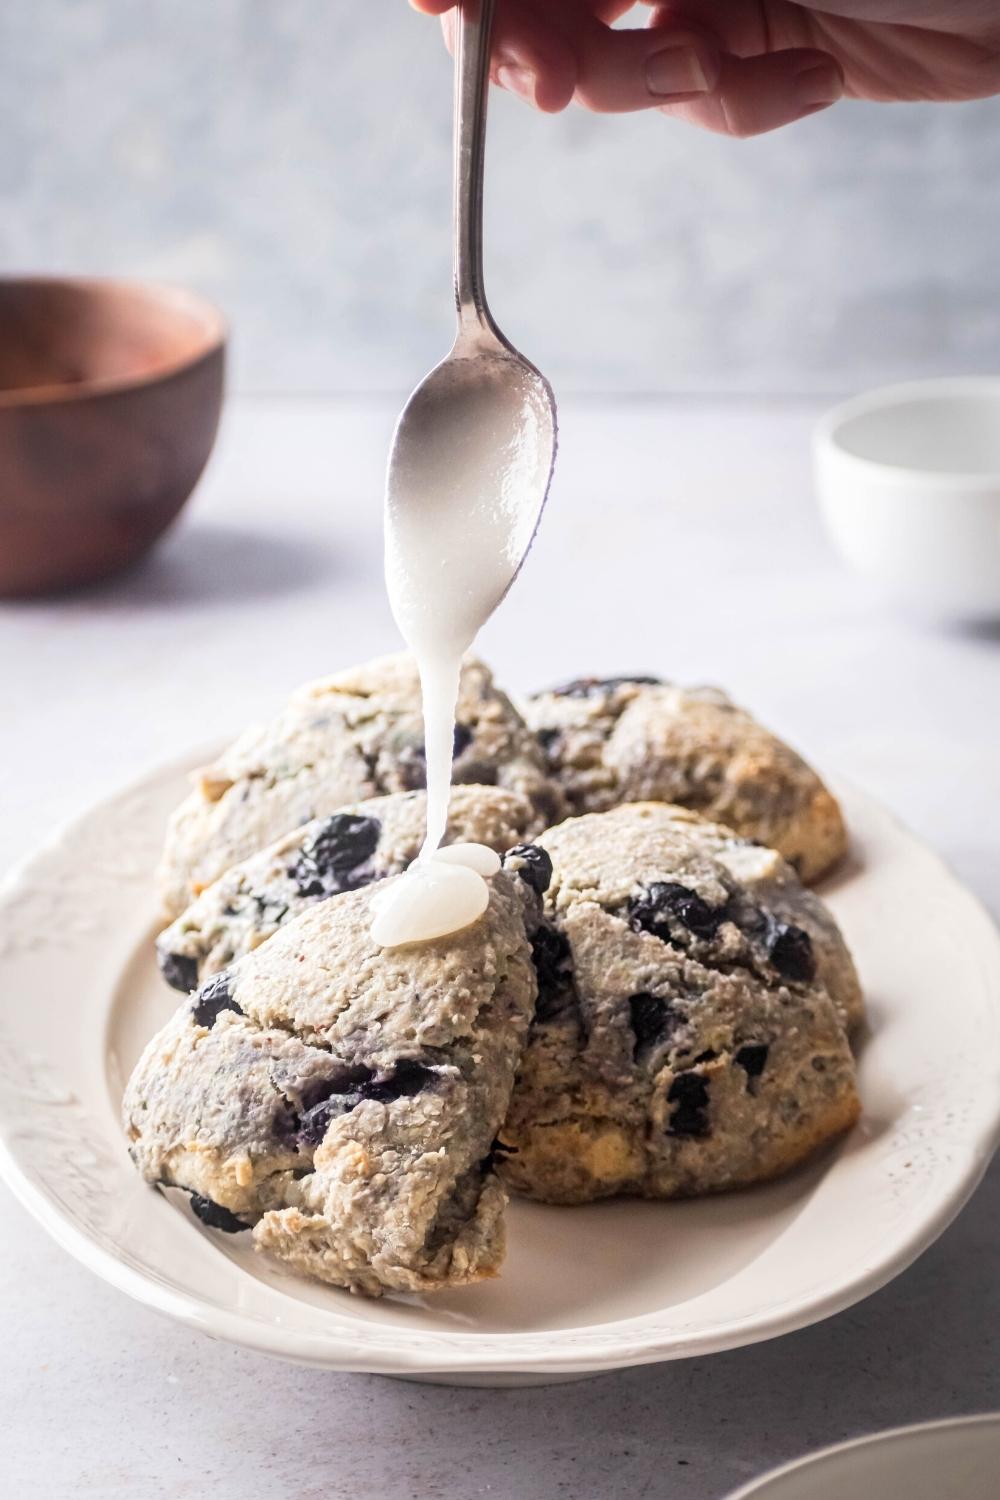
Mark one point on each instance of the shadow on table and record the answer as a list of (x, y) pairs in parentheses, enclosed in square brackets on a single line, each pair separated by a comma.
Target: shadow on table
[(979, 630), (987, 631), (206, 564)]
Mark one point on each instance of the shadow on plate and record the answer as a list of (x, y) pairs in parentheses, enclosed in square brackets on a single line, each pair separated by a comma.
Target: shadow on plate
[(847, 871), (578, 1267)]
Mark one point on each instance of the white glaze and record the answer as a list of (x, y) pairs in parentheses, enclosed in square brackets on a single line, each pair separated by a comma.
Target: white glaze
[(476, 856), (432, 900), (456, 531)]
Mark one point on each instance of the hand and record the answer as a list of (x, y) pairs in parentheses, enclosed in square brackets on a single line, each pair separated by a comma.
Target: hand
[(741, 67)]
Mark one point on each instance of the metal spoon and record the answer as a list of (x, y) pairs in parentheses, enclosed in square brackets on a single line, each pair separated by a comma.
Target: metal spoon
[(474, 450)]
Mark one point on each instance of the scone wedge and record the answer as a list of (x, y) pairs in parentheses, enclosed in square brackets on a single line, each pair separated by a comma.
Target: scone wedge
[(343, 1101), (626, 739), (691, 1033)]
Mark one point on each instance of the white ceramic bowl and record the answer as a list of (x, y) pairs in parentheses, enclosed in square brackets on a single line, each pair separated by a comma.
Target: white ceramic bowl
[(952, 1460), (909, 484)]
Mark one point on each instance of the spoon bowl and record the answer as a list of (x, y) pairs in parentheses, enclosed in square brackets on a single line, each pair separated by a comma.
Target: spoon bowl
[(474, 450), (473, 455)]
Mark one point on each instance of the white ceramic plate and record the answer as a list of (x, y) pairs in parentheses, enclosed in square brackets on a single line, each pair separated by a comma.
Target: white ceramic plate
[(583, 1289), (955, 1460)]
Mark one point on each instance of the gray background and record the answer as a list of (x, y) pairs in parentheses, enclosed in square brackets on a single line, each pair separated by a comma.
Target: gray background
[(290, 158)]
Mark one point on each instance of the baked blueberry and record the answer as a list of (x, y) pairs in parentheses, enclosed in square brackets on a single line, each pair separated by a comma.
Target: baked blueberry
[(551, 956), (314, 1124), (662, 904), (588, 687), (213, 998), (345, 1089), (325, 1099), (535, 868), (407, 1078), (689, 1093), (753, 1058), (652, 1021), (790, 950), (498, 1153), (338, 856), (463, 739), (215, 1216), (180, 971)]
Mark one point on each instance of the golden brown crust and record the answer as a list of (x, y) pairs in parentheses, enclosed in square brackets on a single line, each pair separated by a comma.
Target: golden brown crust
[(620, 742)]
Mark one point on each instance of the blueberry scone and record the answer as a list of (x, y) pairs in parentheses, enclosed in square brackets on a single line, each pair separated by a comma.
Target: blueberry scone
[(344, 1100), (691, 1027), (342, 740), (352, 847), (637, 739)]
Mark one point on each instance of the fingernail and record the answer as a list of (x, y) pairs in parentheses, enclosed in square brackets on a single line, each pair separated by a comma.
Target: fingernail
[(818, 86), (675, 70), (520, 81)]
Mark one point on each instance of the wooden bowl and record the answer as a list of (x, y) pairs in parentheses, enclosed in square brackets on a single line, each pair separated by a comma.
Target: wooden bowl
[(110, 395)]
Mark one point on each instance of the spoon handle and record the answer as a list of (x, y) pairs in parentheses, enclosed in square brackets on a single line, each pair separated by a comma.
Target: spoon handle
[(472, 84)]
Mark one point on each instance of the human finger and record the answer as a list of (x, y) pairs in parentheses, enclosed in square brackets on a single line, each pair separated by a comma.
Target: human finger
[(531, 57), (756, 94)]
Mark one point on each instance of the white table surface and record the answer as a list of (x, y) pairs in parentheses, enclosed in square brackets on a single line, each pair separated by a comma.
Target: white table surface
[(681, 538)]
